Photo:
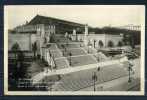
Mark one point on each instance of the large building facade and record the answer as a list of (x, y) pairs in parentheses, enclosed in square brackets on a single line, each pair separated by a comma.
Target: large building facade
[(40, 29)]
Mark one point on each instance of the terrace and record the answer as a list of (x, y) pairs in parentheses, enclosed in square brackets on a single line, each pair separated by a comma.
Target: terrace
[(61, 63), (74, 52), (67, 56), (73, 55), (69, 45)]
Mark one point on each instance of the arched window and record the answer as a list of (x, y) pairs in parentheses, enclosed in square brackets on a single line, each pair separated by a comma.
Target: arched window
[(120, 44), (110, 44), (101, 44)]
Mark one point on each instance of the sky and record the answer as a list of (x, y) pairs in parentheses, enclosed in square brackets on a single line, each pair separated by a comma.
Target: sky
[(93, 15)]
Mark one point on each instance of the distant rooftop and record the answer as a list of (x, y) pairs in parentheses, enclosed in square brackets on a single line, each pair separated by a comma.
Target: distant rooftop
[(39, 19)]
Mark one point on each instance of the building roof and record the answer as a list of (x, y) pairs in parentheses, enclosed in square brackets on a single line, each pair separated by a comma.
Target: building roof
[(38, 19)]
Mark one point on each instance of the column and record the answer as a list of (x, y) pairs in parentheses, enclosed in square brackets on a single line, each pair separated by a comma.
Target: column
[(86, 34), (74, 35)]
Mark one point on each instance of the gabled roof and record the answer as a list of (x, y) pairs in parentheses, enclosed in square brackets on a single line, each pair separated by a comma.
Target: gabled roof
[(38, 19)]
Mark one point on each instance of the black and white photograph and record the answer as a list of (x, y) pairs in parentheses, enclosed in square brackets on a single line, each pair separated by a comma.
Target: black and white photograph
[(74, 49)]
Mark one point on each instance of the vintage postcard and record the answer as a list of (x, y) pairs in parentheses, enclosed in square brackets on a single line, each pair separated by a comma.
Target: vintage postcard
[(74, 49)]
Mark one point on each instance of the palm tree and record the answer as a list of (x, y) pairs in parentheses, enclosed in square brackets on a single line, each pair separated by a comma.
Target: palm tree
[(94, 78)]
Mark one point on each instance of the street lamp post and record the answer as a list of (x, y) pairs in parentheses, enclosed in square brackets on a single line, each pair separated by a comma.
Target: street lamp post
[(51, 87), (66, 41), (129, 69), (94, 78), (55, 66), (70, 54), (63, 47), (65, 51)]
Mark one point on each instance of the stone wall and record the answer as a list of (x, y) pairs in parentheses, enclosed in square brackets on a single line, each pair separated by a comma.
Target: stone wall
[(105, 38), (25, 40)]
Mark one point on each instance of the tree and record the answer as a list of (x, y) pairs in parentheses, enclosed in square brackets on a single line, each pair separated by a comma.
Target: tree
[(110, 44), (131, 39), (62, 46), (15, 48), (34, 48), (19, 67), (101, 44)]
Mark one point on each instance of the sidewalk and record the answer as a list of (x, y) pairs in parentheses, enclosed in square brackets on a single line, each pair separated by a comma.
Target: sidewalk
[(120, 84), (39, 76)]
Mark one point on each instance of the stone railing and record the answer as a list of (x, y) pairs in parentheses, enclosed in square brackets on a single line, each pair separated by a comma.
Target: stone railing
[(26, 28)]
